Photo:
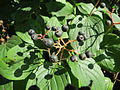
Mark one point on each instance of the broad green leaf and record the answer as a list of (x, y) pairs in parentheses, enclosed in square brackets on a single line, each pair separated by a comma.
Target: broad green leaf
[(85, 8), (108, 84), (110, 39), (93, 29), (116, 19), (20, 62), (49, 78), (13, 41), (25, 37), (109, 57), (89, 73), (60, 10), (105, 62)]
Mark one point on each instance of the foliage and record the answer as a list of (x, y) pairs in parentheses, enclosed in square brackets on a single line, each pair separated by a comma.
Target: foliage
[(39, 37)]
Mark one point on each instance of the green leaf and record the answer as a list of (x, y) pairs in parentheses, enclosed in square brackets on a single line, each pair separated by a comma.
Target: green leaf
[(8, 86), (93, 29), (85, 8), (116, 19), (49, 78), (110, 39), (109, 57), (108, 84), (60, 10), (88, 73), (20, 62), (13, 41)]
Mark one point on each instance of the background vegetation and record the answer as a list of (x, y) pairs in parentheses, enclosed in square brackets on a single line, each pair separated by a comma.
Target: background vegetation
[(84, 55)]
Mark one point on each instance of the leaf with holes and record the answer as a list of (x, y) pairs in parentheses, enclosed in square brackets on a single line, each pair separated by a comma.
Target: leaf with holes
[(92, 27), (49, 78), (19, 65), (89, 73), (13, 41)]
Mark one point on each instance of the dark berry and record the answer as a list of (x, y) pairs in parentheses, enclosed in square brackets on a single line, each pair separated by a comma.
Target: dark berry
[(117, 32), (48, 42), (47, 27), (80, 38), (73, 58), (102, 5), (58, 28), (81, 33), (54, 28), (89, 54), (108, 22), (58, 33), (65, 28), (31, 32), (53, 58), (82, 56), (34, 37)]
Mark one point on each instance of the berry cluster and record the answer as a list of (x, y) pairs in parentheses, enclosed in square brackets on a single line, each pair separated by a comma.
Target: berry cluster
[(3, 34), (85, 55), (57, 47)]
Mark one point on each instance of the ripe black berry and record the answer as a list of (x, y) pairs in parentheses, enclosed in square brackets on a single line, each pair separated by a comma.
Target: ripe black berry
[(31, 32), (82, 56), (81, 33), (80, 38), (47, 27), (102, 5), (108, 22), (53, 58), (58, 33), (48, 42), (89, 54), (54, 28), (73, 58), (34, 37), (65, 28)]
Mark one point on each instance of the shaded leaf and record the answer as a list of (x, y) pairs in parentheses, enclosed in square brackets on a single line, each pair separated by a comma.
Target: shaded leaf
[(88, 73)]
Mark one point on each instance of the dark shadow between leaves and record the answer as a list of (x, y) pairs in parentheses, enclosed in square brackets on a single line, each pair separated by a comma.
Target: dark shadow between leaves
[(19, 53), (70, 87), (60, 72), (100, 58), (34, 87), (22, 45), (48, 76), (85, 88), (72, 26), (18, 73), (58, 6), (3, 80), (47, 64)]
